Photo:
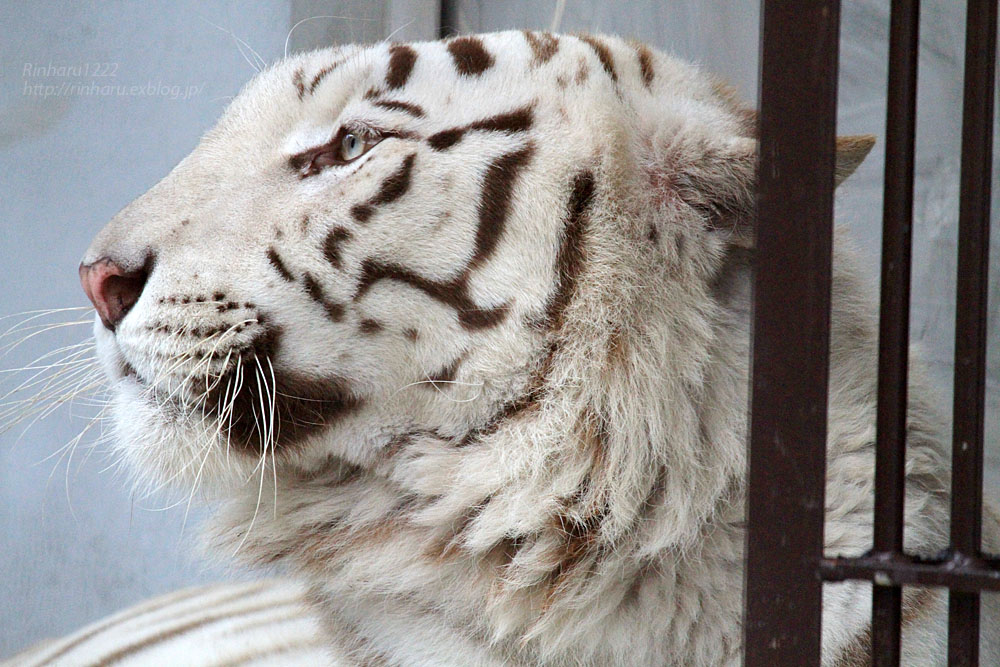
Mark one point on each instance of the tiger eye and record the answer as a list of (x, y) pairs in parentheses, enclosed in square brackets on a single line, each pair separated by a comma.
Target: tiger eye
[(351, 147)]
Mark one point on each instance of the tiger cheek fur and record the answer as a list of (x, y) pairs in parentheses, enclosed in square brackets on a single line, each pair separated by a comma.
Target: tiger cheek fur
[(477, 311)]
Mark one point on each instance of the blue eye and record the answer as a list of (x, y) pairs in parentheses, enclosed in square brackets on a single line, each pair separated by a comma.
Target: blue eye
[(345, 147), (351, 147)]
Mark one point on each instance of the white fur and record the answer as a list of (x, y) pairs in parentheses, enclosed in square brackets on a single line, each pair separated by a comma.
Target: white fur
[(604, 523)]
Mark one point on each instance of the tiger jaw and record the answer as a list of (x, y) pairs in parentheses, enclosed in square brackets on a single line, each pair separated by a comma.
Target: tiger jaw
[(230, 387)]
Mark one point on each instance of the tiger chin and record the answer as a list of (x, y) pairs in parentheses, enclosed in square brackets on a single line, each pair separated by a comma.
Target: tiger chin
[(457, 333)]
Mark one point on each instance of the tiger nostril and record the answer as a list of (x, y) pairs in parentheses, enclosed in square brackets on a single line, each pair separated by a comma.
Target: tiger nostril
[(113, 289)]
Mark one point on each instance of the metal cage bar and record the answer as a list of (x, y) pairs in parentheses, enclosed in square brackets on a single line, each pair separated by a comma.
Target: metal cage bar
[(894, 321), (970, 321), (786, 474), (798, 99)]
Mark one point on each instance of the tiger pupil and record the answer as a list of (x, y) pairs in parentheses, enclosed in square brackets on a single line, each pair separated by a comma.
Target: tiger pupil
[(350, 146)]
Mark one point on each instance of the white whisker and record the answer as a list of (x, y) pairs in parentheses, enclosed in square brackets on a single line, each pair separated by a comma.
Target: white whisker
[(258, 65), (300, 22), (273, 397), (434, 384)]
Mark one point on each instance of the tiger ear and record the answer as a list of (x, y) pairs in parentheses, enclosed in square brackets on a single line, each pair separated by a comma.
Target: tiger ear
[(741, 156), (718, 179), (851, 152)]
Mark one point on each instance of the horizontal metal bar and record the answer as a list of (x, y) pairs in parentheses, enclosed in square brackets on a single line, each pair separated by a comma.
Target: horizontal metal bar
[(953, 571)]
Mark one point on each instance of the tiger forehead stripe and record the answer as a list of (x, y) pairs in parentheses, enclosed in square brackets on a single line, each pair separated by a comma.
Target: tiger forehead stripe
[(393, 187), (603, 54), (401, 61), (543, 46), (519, 120), (645, 64), (321, 75), (299, 83), (470, 55)]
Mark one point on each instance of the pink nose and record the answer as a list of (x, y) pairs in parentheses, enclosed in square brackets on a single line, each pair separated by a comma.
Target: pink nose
[(112, 289)]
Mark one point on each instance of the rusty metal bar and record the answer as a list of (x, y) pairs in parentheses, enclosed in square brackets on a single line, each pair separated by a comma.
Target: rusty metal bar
[(798, 99), (970, 320), (894, 321), (958, 573)]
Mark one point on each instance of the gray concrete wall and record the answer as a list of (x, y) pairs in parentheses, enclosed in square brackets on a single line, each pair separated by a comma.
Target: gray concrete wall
[(74, 544)]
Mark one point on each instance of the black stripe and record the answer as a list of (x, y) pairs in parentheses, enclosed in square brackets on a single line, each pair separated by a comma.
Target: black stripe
[(446, 138), (494, 203), (569, 260), (511, 122), (334, 311), (453, 293), (396, 185), (470, 55), (443, 377), (331, 247), (369, 326), (543, 47), (321, 75), (393, 187), (279, 266), (603, 54), (398, 105), (645, 64), (401, 61)]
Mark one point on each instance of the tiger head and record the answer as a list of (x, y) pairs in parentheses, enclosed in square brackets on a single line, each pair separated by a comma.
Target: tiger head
[(480, 272)]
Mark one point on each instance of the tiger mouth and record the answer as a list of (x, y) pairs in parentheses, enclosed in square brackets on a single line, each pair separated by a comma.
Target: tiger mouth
[(256, 405)]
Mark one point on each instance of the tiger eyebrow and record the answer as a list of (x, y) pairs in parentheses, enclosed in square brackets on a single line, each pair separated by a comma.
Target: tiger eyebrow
[(511, 122), (398, 105), (374, 95)]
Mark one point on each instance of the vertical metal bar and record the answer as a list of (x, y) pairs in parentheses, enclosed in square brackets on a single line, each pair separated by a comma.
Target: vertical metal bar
[(412, 20), (894, 320), (798, 98), (448, 19), (970, 320)]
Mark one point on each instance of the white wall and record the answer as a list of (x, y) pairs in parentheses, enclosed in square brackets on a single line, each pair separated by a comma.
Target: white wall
[(76, 546)]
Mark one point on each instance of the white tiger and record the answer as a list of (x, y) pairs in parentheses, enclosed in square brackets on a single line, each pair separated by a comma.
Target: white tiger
[(264, 624), (457, 334)]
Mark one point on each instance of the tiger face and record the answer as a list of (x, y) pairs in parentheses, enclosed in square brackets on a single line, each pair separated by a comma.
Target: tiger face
[(372, 240), (478, 310)]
